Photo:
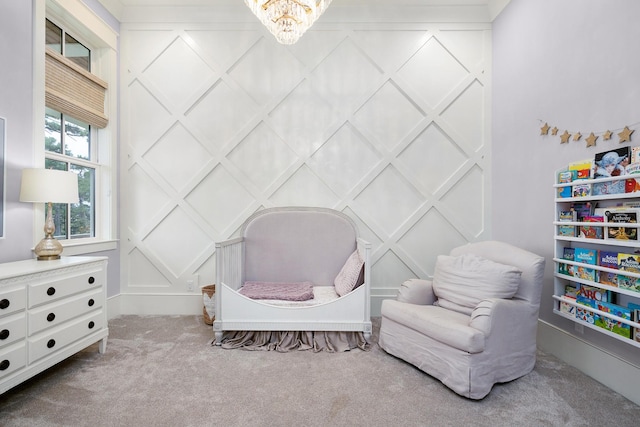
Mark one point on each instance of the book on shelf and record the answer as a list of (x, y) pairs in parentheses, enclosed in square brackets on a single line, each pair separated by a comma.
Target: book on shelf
[(570, 293), (594, 293), (635, 155), (635, 316), (630, 263), (585, 256), (582, 209), (628, 216), (608, 164), (610, 324), (582, 168), (581, 190), (567, 230), (627, 282), (565, 177), (608, 259), (591, 231), (585, 315), (569, 255)]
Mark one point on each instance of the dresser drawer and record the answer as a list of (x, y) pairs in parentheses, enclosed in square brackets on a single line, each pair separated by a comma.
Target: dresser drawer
[(12, 329), (53, 290), (52, 340), (12, 300), (59, 312), (12, 358)]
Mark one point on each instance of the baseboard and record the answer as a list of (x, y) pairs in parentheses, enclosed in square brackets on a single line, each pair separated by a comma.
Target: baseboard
[(615, 373), (154, 304)]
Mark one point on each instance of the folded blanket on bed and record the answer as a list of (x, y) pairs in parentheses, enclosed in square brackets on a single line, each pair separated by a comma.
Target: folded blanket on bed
[(295, 291)]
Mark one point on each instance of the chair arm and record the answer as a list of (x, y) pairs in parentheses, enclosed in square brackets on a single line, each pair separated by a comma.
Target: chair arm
[(416, 291), (505, 318)]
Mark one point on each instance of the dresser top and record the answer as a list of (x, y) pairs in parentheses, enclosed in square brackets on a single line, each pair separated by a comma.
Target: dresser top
[(28, 266)]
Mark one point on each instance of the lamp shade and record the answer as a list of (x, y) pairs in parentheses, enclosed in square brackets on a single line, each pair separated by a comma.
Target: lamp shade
[(48, 185)]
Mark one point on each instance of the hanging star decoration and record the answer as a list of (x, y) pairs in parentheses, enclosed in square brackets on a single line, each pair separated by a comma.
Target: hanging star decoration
[(624, 134), (544, 130), (591, 140)]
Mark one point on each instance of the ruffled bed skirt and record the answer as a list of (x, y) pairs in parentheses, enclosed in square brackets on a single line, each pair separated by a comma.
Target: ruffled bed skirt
[(285, 341)]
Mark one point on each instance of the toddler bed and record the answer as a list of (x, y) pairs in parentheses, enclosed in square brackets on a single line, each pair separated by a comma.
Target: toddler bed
[(294, 249)]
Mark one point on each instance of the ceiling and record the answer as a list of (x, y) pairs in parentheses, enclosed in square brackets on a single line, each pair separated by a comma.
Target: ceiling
[(118, 8)]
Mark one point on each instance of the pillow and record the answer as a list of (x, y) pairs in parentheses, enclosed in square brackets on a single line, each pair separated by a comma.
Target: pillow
[(461, 282), (347, 279)]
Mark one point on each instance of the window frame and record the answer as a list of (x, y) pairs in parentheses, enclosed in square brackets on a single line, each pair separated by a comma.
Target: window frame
[(74, 17)]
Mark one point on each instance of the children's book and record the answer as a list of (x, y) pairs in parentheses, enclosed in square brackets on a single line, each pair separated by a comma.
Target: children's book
[(635, 316), (628, 216), (593, 293), (635, 154), (585, 315), (609, 164), (582, 168), (590, 231), (568, 269), (582, 209), (610, 324), (627, 282), (570, 293), (608, 259), (565, 177), (581, 190), (567, 230), (629, 262), (585, 256)]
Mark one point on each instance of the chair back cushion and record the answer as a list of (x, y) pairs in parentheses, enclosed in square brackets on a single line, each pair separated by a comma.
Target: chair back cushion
[(461, 282), (530, 264)]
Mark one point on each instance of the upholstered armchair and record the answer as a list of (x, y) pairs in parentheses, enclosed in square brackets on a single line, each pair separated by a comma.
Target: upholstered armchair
[(474, 324)]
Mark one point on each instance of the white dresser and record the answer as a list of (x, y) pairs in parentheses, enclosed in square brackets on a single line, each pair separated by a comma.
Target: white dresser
[(49, 310)]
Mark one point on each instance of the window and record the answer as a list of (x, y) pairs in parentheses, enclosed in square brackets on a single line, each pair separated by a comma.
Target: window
[(76, 62), (67, 143)]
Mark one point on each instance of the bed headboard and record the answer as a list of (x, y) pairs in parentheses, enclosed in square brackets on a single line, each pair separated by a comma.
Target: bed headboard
[(294, 244)]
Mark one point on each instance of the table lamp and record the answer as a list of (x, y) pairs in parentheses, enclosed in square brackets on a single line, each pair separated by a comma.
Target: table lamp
[(48, 186)]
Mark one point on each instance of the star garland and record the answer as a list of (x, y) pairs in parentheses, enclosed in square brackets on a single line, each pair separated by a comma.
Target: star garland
[(624, 135)]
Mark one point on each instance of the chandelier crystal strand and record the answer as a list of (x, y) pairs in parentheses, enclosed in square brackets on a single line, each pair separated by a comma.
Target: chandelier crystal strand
[(287, 20)]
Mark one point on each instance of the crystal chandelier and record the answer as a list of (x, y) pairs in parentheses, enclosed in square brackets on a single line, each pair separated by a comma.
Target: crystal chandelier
[(288, 19)]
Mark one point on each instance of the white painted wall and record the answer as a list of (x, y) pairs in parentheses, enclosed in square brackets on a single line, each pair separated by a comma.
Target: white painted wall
[(387, 122), (573, 64)]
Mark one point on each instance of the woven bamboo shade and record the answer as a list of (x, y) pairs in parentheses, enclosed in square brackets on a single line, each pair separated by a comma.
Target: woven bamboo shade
[(72, 90)]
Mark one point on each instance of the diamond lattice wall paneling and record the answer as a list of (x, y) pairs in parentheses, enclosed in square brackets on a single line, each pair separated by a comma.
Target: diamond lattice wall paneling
[(389, 125)]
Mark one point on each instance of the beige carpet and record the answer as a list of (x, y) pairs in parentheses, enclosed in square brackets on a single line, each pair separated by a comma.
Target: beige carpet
[(160, 371)]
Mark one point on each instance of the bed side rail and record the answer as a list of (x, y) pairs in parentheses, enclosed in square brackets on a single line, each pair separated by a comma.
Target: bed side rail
[(364, 248)]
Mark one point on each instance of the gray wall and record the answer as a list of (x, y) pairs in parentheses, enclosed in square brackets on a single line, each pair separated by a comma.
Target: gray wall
[(16, 106), (573, 64)]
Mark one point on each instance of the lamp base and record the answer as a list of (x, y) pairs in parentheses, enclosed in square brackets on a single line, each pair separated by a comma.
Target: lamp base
[(48, 249)]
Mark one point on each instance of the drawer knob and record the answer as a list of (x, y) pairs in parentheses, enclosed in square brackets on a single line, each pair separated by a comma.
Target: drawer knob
[(91, 302), (51, 317), (91, 324), (91, 280), (5, 303), (51, 291), (51, 343), (4, 365), (4, 334)]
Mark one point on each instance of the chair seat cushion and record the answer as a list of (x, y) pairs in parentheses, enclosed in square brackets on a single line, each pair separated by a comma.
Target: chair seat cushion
[(448, 327), (461, 282)]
